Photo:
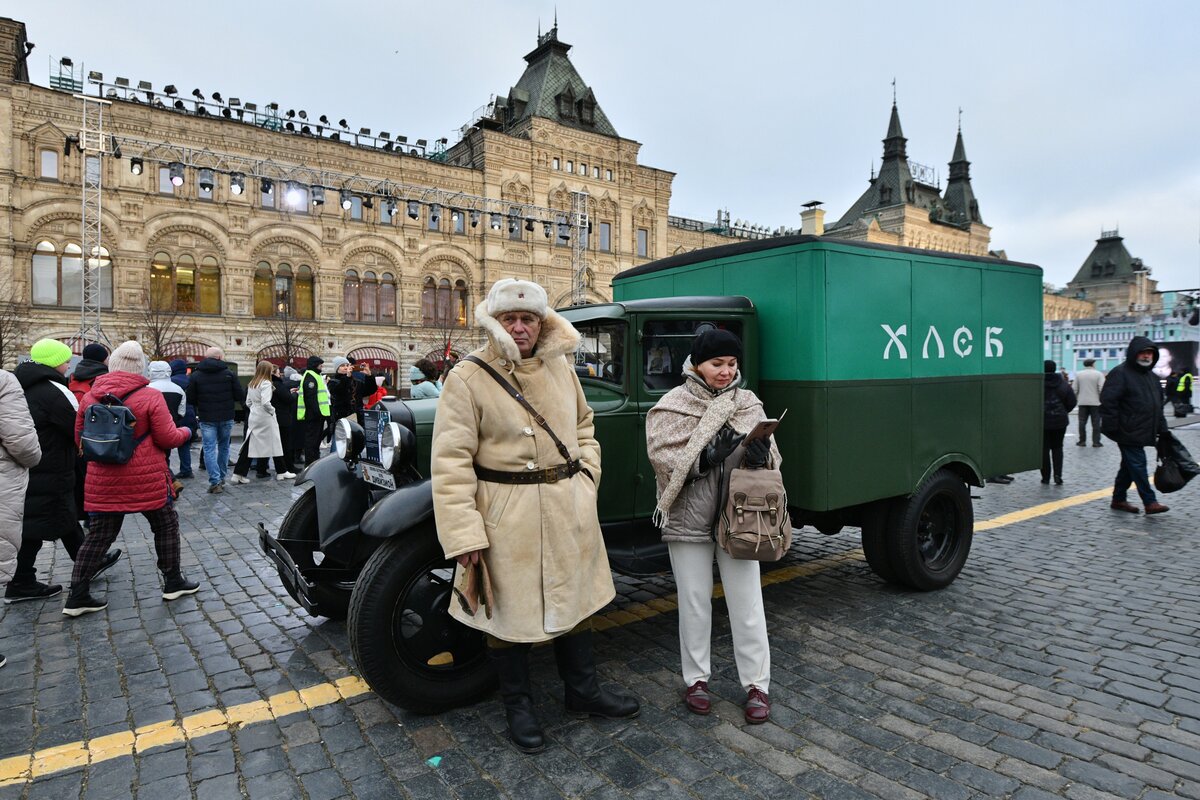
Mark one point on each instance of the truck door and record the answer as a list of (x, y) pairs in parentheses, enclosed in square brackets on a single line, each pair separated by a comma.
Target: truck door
[(601, 364), (665, 343)]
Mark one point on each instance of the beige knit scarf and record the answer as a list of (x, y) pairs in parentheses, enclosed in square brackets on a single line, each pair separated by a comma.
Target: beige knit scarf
[(719, 408)]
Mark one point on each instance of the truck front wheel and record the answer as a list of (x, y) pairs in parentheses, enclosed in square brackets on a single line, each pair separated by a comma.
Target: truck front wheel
[(408, 647), (298, 534), (929, 534)]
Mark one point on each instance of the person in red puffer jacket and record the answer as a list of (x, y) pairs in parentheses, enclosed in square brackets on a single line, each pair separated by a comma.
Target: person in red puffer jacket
[(141, 485)]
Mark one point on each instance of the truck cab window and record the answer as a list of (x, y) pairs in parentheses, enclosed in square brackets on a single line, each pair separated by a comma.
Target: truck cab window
[(601, 352), (666, 344)]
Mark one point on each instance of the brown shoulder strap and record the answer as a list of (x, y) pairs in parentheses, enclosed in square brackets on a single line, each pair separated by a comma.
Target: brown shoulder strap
[(512, 390)]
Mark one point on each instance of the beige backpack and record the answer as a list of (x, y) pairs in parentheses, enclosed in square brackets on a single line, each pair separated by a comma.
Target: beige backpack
[(754, 523)]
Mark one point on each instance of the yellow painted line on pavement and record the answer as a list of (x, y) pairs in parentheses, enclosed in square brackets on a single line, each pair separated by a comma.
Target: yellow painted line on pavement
[(20, 769)]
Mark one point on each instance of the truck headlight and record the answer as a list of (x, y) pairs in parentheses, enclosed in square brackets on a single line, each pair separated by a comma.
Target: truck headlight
[(348, 439), (391, 445)]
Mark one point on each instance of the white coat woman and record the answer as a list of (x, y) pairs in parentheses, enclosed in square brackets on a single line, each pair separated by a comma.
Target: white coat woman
[(694, 437), (262, 429), (504, 494)]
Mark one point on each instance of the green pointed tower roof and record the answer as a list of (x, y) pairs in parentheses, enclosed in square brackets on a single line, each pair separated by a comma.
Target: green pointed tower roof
[(960, 197), (551, 88)]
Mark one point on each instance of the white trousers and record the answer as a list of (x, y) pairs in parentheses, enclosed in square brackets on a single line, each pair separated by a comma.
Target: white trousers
[(692, 565)]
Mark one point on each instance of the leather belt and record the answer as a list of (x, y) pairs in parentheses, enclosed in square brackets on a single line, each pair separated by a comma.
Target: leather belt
[(549, 475)]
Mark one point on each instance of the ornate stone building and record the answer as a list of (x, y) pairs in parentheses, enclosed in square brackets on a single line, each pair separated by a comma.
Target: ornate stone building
[(374, 277), (901, 208), (1114, 281)]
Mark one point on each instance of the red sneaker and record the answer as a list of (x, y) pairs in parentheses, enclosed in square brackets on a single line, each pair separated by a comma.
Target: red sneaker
[(758, 706), (696, 698)]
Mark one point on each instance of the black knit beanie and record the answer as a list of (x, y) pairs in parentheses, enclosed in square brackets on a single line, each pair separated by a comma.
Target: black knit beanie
[(1050, 365), (713, 344)]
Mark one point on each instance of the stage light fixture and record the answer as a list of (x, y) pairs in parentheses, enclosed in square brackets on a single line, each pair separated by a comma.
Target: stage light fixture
[(196, 94), (116, 151), (344, 198), (318, 195), (291, 113), (342, 122), (227, 114), (294, 194), (337, 137), (205, 180), (546, 229), (290, 128), (135, 166), (529, 224), (111, 94), (474, 219), (122, 82), (175, 170), (496, 221), (179, 105), (237, 183), (435, 213), (324, 120), (266, 185), (414, 209), (368, 202), (391, 208), (217, 97), (170, 89), (303, 114), (455, 214), (564, 230)]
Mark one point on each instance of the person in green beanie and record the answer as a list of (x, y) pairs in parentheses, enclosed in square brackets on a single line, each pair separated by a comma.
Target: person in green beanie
[(50, 496)]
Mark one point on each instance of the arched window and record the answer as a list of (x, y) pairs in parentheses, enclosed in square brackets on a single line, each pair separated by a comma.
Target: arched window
[(369, 298), (58, 275), (176, 283), (444, 304), (387, 298), (283, 291), (369, 293), (350, 296)]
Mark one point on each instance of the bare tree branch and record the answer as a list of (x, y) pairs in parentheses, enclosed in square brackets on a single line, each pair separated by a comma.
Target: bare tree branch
[(14, 322), (161, 326), (288, 336)]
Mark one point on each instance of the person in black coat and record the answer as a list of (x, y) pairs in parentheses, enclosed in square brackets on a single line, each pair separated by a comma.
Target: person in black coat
[(283, 399), (213, 390), (50, 513), (1131, 415), (1059, 400), (179, 376)]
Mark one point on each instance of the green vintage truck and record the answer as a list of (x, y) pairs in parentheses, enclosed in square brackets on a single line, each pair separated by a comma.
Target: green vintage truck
[(907, 376)]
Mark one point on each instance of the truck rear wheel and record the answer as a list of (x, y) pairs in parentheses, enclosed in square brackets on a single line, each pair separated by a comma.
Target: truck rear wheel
[(874, 540), (408, 647), (298, 534), (929, 534)]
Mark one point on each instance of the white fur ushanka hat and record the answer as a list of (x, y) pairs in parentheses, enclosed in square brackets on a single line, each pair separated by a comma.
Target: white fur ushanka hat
[(510, 294)]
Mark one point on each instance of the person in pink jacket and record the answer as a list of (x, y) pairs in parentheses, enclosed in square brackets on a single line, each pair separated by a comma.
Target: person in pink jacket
[(141, 485)]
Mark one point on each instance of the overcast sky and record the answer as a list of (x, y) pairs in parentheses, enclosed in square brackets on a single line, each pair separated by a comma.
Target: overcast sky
[(1077, 116)]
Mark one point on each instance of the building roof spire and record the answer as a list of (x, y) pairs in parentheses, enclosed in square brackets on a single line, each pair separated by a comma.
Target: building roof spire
[(960, 197)]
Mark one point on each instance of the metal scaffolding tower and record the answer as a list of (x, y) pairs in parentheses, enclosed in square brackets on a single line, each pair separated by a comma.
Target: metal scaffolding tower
[(579, 243), (93, 147)]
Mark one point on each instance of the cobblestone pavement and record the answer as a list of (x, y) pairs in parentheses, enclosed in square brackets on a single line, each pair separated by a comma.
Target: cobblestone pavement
[(1062, 663)]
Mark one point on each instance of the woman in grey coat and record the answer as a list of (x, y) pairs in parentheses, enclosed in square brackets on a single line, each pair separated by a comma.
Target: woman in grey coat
[(19, 450)]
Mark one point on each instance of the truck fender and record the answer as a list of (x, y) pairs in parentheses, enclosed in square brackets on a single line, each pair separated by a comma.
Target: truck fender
[(960, 464), (341, 497), (401, 511)]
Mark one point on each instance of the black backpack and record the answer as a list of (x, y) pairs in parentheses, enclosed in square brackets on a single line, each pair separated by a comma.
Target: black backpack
[(107, 435)]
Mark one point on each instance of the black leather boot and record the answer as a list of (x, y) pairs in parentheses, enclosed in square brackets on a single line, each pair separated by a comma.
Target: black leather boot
[(80, 600), (512, 666), (577, 668)]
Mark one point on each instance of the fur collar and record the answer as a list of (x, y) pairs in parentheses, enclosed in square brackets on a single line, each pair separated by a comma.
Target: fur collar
[(557, 338)]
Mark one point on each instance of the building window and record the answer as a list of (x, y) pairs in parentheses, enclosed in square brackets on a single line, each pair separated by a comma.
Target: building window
[(266, 193), (350, 290), (643, 242), (443, 305), (385, 212), (387, 298), (608, 174), (514, 224), (570, 166), (460, 221), (278, 291), (48, 167), (58, 275), (297, 199), (178, 284), (583, 169), (356, 208), (92, 169), (606, 237), (553, 163), (164, 181), (596, 173), (205, 191), (434, 219)]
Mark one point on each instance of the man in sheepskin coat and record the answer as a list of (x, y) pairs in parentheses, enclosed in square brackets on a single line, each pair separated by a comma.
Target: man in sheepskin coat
[(507, 494)]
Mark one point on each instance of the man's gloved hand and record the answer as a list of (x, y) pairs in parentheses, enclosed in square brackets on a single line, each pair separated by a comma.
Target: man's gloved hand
[(757, 452), (717, 450)]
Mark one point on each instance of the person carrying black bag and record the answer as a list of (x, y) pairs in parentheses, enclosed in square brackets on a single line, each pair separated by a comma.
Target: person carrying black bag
[(1131, 414), (1059, 399)]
